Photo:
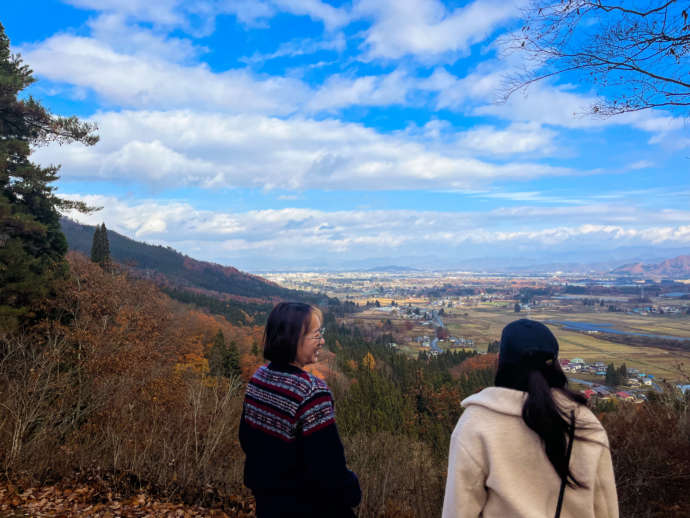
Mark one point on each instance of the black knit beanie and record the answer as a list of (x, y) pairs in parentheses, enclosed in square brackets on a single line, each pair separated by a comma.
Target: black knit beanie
[(527, 341)]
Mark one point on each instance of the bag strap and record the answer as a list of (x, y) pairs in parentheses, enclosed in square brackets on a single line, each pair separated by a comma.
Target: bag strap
[(571, 437)]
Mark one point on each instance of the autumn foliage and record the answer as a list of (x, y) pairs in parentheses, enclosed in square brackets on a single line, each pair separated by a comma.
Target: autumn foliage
[(650, 446), (115, 384)]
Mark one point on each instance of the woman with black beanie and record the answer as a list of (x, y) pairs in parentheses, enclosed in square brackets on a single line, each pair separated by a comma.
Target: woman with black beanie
[(529, 447)]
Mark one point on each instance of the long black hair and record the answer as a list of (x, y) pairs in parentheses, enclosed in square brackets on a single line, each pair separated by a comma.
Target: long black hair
[(537, 372)]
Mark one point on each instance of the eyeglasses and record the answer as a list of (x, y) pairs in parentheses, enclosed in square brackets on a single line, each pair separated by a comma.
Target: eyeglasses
[(320, 333)]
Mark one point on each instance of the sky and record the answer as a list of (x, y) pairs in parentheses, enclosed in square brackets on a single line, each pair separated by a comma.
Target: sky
[(299, 134)]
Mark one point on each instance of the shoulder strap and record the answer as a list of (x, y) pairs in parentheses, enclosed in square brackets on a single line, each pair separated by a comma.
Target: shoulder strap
[(571, 439)]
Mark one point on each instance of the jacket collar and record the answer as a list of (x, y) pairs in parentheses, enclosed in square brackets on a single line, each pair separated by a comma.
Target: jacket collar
[(509, 401)]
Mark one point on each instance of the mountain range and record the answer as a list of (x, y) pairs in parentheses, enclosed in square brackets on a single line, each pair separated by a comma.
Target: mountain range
[(676, 268)]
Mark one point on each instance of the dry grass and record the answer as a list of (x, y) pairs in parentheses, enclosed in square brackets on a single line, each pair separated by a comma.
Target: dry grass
[(399, 476)]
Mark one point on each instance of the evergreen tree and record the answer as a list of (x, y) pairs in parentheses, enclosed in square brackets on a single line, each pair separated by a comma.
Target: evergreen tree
[(100, 247), (223, 360), (232, 360), (216, 355), (622, 373), (32, 246), (611, 376), (96, 252)]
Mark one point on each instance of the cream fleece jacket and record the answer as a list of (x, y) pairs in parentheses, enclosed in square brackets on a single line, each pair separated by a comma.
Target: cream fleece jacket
[(497, 466)]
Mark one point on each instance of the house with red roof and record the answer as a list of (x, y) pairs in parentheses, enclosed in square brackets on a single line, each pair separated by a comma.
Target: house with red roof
[(624, 396)]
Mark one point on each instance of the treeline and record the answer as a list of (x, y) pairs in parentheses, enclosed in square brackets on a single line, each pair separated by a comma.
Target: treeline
[(646, 341), (239, 313)]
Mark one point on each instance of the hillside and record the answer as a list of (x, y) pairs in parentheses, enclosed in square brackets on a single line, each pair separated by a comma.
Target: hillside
[(175, 270), (678, 267)]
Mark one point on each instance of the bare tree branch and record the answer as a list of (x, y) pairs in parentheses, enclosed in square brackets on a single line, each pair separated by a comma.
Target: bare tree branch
[(636, 52)]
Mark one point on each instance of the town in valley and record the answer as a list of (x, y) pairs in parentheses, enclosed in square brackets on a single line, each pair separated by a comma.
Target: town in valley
[(620, 336)]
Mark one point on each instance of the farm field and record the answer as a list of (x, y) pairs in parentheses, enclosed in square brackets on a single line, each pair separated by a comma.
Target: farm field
[(483, 324), (486, 325)]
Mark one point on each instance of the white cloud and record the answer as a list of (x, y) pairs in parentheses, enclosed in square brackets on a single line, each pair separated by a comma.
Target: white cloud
[(253, 13), (133, 67), (426, 29), (257, 12), (516, 138), (182, 148), (199, 16), (150, 79), (167, 12), (307, 234), (146, 81), (543, 103), (300, 47), (331, 17), (113, 30), (383, 90), (641, 164)]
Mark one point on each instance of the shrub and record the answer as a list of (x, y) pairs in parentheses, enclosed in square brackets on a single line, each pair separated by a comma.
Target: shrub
[(650, 446)]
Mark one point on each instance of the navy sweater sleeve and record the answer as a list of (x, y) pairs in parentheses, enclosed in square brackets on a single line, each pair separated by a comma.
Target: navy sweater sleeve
[(324, 457)]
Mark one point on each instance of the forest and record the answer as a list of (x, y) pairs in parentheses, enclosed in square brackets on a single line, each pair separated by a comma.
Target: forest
[(105, 379)]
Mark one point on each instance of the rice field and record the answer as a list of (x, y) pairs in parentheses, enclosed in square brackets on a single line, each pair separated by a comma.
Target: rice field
[(483, 324)]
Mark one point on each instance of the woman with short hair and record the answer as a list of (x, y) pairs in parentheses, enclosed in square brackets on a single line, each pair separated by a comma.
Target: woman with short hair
[(295, 463), (529, 447)]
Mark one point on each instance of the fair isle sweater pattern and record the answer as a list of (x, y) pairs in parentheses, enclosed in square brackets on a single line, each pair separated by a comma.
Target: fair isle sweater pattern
[(282, 403)]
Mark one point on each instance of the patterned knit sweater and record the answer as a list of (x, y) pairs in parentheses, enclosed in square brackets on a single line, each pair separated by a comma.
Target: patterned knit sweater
[(295, 458)]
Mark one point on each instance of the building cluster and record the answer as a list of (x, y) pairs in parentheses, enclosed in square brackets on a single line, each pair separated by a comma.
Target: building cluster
[(578, 365), (661, 310), (602, 394), (635, 379)]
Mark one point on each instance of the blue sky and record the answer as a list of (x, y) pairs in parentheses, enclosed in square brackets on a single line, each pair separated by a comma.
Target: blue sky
[(276, 134)]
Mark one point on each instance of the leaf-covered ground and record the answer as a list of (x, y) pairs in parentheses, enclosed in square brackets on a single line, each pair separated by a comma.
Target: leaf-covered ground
[(88, 501)]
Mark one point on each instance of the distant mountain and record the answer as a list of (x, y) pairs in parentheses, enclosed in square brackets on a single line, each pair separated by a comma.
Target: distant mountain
[(392, 269), (678, 267), (175, 270)]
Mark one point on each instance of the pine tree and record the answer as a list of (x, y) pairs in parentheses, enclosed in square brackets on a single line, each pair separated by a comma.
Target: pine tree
[(105, 245), (232, 360), (216, 355), (622, 373), (96, 252), (223, 360), (100, 247), (32, 246), (611, 376)]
